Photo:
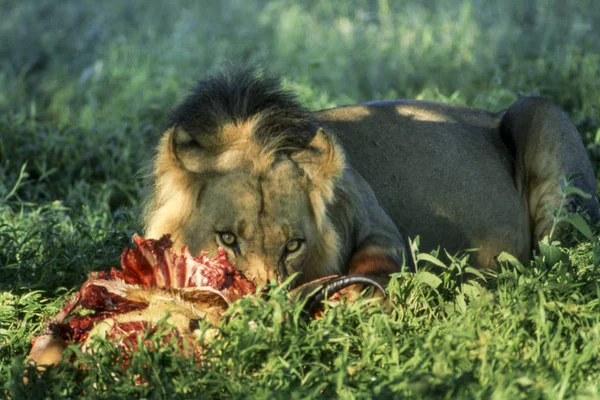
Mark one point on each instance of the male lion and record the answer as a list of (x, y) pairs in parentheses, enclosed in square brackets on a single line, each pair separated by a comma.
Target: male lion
[(245, 167)]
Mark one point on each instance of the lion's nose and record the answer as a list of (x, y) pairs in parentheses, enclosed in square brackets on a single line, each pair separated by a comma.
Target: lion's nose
[(260, 271)]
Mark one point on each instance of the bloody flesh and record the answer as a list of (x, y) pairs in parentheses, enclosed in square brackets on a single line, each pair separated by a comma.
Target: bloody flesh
[(149, 271)]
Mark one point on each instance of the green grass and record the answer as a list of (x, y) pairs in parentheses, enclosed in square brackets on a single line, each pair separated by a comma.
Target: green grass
[(84, 90)]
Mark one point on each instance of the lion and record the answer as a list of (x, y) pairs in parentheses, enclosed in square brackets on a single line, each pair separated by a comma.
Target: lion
[(245, 167)]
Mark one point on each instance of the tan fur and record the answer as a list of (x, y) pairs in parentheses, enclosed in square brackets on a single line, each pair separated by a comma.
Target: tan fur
[(174, 194), (176, 188), (237, 148), (324, 163), (326, 258), (231, 148), (234, 149)]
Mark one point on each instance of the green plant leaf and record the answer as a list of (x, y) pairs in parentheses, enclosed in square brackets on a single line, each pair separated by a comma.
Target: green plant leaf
[(579, 223), (512, 260), (469, 290), (574, 190), (431, 259), (552, 254), (429, 279), (474, 271), (461, 304)]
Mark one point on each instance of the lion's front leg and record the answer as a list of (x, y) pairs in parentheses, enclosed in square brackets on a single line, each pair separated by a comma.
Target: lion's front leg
[(378, 249), (377, 262)]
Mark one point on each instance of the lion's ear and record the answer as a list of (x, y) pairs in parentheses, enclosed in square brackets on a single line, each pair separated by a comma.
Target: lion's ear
[(323, 162), (187, 151)]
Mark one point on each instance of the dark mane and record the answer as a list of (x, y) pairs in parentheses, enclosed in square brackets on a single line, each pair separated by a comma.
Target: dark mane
[(237, 94)]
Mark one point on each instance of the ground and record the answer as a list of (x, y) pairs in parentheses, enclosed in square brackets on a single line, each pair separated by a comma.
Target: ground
[(84, 90)]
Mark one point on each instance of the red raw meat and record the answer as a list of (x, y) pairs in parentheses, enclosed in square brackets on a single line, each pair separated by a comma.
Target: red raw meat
[(151, 282)]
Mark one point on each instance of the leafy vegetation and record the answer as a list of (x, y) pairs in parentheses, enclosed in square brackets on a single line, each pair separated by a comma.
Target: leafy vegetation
[(84, 89)]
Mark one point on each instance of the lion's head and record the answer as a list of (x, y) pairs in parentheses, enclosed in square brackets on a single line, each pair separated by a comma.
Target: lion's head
[(244, 167)]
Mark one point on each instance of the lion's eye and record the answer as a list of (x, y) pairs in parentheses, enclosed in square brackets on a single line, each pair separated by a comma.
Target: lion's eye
[(292, 246), (228, 238)]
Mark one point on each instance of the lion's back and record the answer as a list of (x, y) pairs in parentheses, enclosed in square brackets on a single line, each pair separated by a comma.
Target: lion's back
[(440, 171)]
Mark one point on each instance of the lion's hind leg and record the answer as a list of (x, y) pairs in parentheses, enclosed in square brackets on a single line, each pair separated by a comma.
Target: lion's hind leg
[(547, 148)]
